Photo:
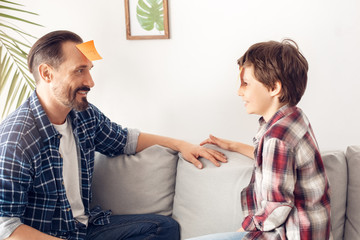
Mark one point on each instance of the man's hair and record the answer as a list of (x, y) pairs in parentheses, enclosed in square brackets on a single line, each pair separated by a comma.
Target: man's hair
[(48, 49), (279, 61)]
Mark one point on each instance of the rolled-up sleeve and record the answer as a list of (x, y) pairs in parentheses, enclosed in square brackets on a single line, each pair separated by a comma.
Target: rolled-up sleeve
[(132, 141), (8, 226), (276, 187)]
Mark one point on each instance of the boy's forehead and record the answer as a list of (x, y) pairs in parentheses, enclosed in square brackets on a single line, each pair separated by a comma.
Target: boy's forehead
[(241, 72), (246, 69)]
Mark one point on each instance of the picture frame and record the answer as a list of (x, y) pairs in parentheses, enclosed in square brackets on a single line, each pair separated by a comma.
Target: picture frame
[(147, 19)]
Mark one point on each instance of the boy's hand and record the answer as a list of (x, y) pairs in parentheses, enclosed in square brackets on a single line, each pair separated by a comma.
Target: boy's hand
[(222, 143), (192, 152), (233, 146), (241, 230)]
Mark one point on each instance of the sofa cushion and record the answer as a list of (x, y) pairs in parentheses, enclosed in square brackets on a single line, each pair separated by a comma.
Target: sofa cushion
[(208, 200), (336, 170), (136, 184), (352, 224)]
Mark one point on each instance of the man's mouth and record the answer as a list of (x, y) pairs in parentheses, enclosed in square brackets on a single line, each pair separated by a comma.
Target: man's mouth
[(83, 90)]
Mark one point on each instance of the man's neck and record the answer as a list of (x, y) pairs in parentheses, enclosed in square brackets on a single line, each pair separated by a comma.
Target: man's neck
[(56, 114)]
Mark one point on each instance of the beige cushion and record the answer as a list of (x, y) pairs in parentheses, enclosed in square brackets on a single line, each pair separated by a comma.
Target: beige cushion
[(136, 184), (208, 200), (336, 170), (352, 224)]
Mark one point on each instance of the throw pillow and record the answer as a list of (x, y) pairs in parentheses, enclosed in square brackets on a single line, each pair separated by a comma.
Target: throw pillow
[(137, 184)]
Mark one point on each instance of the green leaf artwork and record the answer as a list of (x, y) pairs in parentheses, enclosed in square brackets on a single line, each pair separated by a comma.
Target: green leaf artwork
[(150, 13)]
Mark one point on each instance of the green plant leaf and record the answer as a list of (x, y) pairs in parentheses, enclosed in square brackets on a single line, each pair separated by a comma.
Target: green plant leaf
[(149, 13), (16, 83)]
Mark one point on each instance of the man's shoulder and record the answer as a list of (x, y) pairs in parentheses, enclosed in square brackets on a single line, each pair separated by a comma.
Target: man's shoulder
[(18, 126)]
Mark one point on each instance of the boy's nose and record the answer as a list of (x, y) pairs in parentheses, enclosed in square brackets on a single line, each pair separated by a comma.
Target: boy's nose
[(240, 92)]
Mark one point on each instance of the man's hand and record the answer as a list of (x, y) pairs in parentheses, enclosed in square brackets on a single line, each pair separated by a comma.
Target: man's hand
[(192, 152), (241, 230)]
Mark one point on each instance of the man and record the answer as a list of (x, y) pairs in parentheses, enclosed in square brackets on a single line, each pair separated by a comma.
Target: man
[(47, 155)]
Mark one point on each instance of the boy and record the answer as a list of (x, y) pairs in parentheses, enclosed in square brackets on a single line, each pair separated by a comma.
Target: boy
[(288, 195)]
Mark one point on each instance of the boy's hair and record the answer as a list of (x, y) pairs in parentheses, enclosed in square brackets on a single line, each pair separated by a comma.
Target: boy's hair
[(279, 61), (48, 49)]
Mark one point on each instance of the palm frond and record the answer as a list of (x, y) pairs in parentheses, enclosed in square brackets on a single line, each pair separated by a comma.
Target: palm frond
[(16, 83)]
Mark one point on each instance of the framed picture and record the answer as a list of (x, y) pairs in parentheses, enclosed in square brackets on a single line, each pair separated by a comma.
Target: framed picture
[(146, 19)]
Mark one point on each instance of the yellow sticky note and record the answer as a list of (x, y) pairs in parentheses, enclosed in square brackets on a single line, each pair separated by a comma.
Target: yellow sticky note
[(89, 50)]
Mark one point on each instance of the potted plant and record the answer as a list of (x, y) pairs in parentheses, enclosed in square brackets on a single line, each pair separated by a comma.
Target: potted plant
[(16, 83)]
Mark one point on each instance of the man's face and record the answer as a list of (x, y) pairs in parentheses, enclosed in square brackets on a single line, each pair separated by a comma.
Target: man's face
[(72, 79)]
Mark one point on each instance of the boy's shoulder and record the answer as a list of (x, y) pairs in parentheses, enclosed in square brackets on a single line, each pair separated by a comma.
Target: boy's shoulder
[(289, 125)]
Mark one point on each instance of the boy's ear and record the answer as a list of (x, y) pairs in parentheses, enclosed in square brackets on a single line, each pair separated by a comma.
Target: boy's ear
[(45, 72), (277, 89)]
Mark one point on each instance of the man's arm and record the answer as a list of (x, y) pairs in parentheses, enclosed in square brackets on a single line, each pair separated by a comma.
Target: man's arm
[(24, 232), (189, 151)]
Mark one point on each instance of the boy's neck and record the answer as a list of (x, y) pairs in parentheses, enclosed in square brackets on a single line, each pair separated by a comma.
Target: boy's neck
[(272, 110)]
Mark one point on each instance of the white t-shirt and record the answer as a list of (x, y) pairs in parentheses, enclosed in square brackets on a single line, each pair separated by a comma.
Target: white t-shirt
[(69, 153)]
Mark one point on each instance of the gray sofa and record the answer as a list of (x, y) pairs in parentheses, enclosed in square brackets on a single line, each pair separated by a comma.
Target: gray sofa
[(158, 180)]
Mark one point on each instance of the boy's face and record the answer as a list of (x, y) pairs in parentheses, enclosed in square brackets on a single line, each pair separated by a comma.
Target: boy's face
[(258, 99)]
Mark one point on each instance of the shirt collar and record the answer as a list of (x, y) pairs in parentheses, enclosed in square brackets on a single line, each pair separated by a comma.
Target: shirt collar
[(46, 128), (264, 126)]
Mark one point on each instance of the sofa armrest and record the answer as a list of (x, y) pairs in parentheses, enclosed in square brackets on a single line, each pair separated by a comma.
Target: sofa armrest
[(337, 173), (352, 223)]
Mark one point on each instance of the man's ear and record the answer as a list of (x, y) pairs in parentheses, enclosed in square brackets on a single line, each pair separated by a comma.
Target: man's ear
[(45, 72), (276, 91)]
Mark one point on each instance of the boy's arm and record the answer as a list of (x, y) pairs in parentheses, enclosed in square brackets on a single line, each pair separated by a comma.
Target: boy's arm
[(189, 151), (277, 184), (242, 148)]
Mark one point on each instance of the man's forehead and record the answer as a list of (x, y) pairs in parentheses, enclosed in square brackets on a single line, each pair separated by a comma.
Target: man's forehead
[(89, 50)]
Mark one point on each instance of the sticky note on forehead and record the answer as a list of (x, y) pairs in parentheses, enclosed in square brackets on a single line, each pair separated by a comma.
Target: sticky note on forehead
[(89, 50)]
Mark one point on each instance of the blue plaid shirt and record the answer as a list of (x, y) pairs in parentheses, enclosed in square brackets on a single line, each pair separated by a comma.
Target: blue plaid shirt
[(31, 176)]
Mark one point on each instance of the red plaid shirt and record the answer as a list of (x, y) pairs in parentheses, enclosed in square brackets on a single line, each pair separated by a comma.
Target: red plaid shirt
[(288, 196)]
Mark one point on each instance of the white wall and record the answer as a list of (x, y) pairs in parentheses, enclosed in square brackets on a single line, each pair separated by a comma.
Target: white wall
[(185, 87)]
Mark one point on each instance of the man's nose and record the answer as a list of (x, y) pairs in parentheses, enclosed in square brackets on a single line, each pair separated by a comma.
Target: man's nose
[(89, 81)]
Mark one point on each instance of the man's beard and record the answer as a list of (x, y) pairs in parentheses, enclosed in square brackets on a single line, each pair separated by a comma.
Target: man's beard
[(81, 105), (69, 99)]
